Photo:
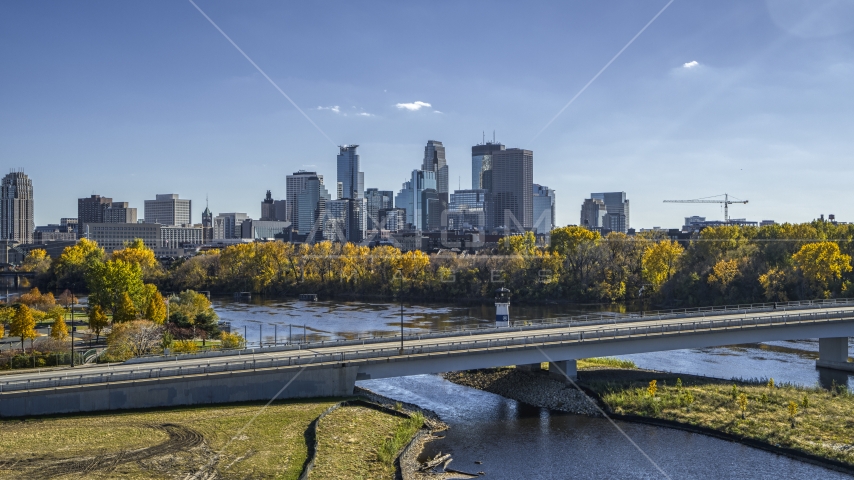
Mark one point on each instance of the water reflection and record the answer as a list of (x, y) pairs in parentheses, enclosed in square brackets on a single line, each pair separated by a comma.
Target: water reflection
[(514, 440)]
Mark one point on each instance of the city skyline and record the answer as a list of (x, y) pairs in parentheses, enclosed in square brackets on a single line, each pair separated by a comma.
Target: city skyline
[(756, 106)]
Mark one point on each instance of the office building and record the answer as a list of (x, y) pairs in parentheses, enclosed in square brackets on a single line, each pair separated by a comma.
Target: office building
[(273, 210), (481, 165), (470, 209), (69, 222), (392, 219), (310, 208), (344, 220), (350, 177), (434, 161), (263, 229), (618, 210), (114, 236), (294, 186), (403, 199), (174, 236), (168, 209), (416, 210), (227, 225), (119, 212), (54, 233), (377, 200), (512, 188), (17, 218), (544, 209), (92, 209), (593, 214)]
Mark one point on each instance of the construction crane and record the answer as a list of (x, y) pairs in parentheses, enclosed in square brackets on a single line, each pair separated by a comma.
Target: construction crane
[(726, 201)]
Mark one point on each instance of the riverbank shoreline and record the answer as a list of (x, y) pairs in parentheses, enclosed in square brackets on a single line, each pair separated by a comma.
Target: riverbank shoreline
[(598, 383)]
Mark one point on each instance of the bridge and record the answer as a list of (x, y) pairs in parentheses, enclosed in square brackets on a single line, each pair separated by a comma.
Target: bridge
[(332, 368)]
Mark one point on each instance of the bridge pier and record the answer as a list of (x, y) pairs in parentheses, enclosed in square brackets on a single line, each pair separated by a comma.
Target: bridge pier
[(531, 367), (562, 370), (833, 353)]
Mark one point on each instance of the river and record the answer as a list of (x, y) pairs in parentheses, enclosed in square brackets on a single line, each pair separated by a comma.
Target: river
[(514, 440)]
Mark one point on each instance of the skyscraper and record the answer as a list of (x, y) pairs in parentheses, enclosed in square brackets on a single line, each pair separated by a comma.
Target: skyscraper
[(416, 210), (310, 208), (544, 208), (618, 210), (470, 209), (295, 185), (434, 161), (377, 200), (168, 209), (403, 200), (91, 210), (349, 175), (481, 164), (593, 213), (17, 220), (512, 188)]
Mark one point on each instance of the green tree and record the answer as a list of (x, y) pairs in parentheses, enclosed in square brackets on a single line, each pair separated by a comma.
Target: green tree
[(108, 282), (742, 404), (126, 310), (23, 325), (71, 266), (191, 309), (59, 330), (97, 320)]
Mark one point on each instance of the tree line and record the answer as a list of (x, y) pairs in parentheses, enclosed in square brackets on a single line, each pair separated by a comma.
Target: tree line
[(719, 265)]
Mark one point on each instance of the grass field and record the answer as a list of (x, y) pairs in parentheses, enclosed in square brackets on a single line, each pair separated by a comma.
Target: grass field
[(348, 450), (170, 443), (813, 420)]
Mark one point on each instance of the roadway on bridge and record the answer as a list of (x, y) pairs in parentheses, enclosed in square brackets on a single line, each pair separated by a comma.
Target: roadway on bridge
[(482, 337)]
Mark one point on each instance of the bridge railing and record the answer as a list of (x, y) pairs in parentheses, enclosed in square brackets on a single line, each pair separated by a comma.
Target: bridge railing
[(124, 373), (577, 320)]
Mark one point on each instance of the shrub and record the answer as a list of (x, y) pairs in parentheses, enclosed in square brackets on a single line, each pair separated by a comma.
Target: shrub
[(652, 389), (231, 341), (185, 346)]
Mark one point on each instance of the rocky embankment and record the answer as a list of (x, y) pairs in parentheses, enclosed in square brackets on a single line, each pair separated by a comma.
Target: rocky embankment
[(532, 388)]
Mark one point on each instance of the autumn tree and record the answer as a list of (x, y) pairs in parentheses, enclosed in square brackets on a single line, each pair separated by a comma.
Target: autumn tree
[(660, 261), (71, 266), (125, 310), (23, 325), (97, 320), (58, 330), (821, 264), (133, 339), (155, 308), (723, 274), (137, 252), (36, 261)]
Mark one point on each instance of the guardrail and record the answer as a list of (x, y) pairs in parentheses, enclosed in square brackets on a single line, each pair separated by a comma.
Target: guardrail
[(124, 372), (578, 320)]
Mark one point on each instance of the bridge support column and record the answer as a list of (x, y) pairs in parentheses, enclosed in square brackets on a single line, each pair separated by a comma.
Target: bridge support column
[(833, 353), (561, 370), (531, 367)]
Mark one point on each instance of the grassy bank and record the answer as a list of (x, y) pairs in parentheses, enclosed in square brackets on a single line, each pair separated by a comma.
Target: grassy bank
[(812, 420), (229, 440), (348, 450)]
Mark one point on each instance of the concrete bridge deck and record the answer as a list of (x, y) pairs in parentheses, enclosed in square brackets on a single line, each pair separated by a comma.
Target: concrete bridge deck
[(332, 369)]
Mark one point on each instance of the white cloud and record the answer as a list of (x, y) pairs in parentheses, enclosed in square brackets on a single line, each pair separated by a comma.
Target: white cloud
[(691, 64), (436, 111), (414, 106), (334, 108), (365, 114)]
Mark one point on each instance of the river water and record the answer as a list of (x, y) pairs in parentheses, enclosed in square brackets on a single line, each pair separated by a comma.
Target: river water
[(514, 440)]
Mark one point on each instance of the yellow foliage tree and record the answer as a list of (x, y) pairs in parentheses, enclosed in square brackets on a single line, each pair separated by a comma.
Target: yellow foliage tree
[(660, 261), (59, 330), (774, 284), (70, 268), (23, 325), (821, 263), (137, 252), (97, 320), (155, 309), (126, 310), (723, 273), (36, 261)]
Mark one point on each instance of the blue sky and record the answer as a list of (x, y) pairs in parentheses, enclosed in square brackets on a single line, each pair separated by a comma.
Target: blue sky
[(131, 99)]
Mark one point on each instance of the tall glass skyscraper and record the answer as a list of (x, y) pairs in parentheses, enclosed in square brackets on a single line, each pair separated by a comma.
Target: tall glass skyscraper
[(352, 180), (481, 165), (17, 221)]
